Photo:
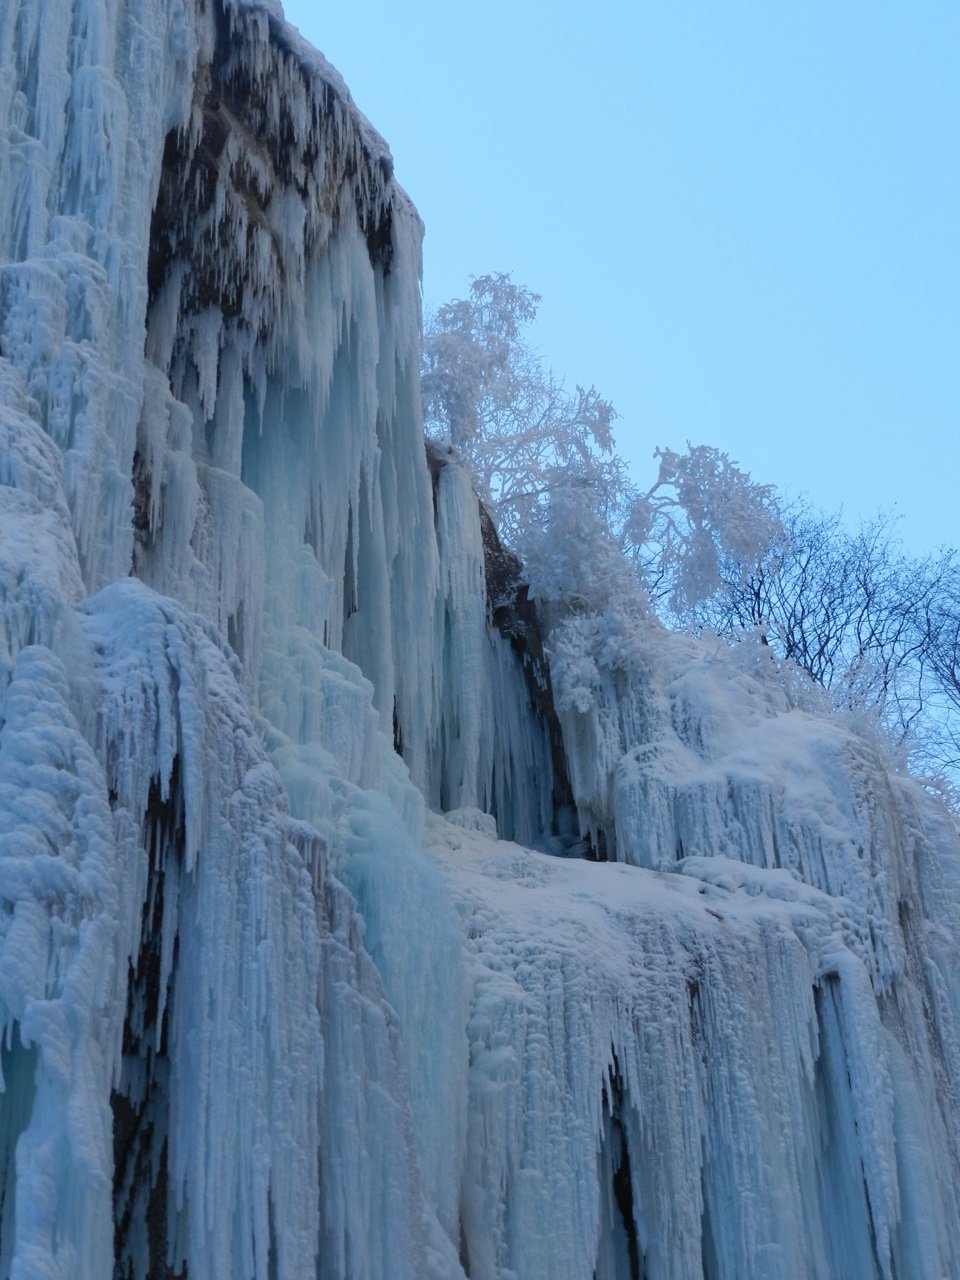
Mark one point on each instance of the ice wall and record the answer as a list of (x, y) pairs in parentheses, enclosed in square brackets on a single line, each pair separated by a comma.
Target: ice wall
[(697, 760), (264, 1011)]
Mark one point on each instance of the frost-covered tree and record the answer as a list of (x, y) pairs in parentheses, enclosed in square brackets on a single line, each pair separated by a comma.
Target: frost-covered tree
[(522, 434), (874, 627), (703, 513), (544, 464)]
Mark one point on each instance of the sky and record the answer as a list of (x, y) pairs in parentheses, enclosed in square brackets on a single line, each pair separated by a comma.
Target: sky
[(743, 219)]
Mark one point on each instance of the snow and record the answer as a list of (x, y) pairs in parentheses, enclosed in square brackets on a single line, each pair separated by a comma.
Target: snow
[(276, 999)]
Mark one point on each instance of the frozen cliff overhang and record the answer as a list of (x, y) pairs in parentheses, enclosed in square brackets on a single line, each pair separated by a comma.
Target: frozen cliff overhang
[(271, 157), (279, 997)]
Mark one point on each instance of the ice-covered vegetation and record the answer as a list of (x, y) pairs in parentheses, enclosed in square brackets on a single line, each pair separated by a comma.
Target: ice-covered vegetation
[(532, 447), (293, 980)]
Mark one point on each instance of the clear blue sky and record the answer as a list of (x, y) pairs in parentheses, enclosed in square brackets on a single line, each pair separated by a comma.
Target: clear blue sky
[(744, 219)]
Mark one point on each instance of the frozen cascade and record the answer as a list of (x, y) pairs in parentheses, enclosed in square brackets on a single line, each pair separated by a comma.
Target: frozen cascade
[(279, 997)]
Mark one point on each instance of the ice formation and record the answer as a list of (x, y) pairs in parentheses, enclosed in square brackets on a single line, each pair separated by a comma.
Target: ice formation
[(294, 978)]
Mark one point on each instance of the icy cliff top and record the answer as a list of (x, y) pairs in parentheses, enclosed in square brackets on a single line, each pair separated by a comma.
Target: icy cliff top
[(288, 36)]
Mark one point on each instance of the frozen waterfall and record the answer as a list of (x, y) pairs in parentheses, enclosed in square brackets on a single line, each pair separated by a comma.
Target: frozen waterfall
[(295, 978)]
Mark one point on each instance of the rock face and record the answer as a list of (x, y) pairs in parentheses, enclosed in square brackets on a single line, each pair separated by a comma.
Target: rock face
[(275, 999)]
